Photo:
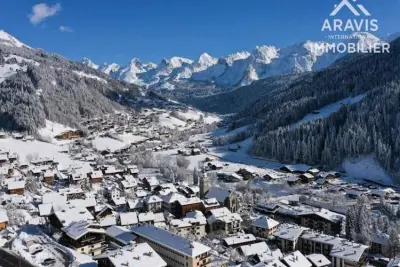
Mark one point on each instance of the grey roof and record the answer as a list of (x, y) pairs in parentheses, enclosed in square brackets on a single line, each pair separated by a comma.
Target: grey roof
[(174, 242)]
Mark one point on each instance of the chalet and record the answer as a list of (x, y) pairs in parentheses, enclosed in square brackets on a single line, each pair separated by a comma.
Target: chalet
[(293, 180), (246, 173), (3, 158), (70, 134), (215, 166), (136, 205), (296, 169), (229, 177), (223, 220), (264, 226), (84, 238), (239, 240), (313, 171), (49, 177), (3, 219), (272, 176), (150, 183), (225, 197), (16, 187), (195, 225), (328, 175), (380, 244), (170, 202), (128, 218), (153, 203), (287, 236), (96, 177), (3, 135), (306, 178)]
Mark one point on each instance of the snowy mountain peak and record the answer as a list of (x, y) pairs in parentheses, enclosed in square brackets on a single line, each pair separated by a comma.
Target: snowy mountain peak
[(176, 62), (9, 40), (109, 68), (89, 63), (265, 54), (203, 62), (229, 59)]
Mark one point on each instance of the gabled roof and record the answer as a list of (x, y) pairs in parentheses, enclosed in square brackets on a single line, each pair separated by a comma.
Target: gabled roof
[(77, 229), (219, 193), (265, 222)]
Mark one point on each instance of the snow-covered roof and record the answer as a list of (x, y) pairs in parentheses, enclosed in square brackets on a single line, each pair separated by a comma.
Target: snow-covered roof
[(128, 218), (296, 259), (239, 239), (289, 231), (152, 180), (107, 221), (198, 215), (121, 234), (380, 238), (172, 197), (96, 174), (140, 255), (135, 203), (69, 215), (223, 214), (77, 229), (172, 241), (265, 222), (318, 260), (3, 215), (119, 201), (152, 199), (348, 251), (253, 249), (342, 248), (16, 185), (274, 263), (219, 193)]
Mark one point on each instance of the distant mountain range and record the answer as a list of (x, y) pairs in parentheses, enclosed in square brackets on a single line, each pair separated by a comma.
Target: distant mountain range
[(234, 70)]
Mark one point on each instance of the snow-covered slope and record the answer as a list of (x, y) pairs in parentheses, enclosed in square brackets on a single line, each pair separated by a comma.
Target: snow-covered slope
[(9, 40), (236, 69)]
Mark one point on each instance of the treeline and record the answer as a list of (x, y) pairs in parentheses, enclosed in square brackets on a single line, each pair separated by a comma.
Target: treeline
[(49, 89)]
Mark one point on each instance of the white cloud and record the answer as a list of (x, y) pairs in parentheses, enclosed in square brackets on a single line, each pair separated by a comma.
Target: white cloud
[(42, 11), (65, 29)]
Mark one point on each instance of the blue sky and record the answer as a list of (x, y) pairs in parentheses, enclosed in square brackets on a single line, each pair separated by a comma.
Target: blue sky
[(116, 31)]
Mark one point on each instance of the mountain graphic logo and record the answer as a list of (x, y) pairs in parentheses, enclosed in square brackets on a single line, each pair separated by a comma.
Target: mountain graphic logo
[(357, 9)]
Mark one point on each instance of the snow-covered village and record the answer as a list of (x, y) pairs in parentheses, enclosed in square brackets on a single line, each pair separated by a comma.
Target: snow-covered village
[(151, 188), (252, 141)]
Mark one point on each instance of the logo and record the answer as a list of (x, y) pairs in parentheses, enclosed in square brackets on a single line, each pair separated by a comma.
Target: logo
[(346, 3), (352, 34)]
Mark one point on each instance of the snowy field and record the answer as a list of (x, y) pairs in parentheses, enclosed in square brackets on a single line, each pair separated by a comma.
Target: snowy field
[(366, 168), (42, 150)]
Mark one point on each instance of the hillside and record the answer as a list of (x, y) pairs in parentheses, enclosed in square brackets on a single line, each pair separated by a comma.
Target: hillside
[(36, 85), (236, 100), (370, 125)]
